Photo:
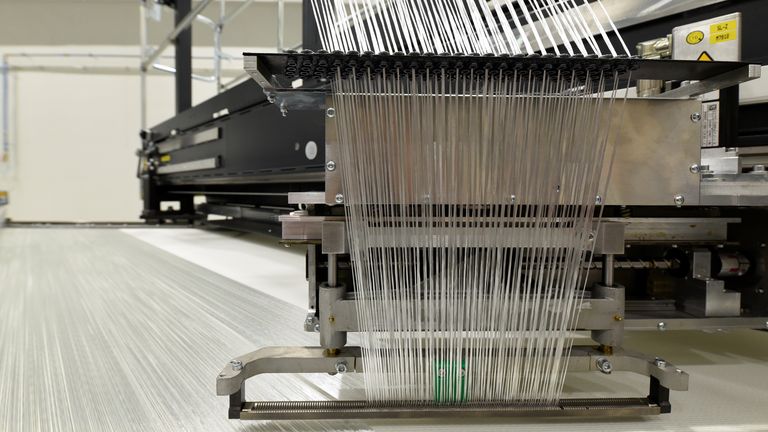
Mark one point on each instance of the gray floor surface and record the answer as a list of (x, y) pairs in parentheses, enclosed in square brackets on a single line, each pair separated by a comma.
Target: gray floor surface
[(100, 331)]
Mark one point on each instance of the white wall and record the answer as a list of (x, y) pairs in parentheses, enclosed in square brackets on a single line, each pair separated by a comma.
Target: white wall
[(74, 138)]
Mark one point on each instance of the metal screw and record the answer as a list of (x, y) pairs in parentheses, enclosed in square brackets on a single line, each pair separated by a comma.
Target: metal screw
[(695, 168), (661, 326), (236, 365), (317, 328), (604, 365), (679, 200), (696, 117), (341, 367), (513, 198), (330, 112), (271, 98), (598, 200), (330, 166), (339, 198), (660, 362)]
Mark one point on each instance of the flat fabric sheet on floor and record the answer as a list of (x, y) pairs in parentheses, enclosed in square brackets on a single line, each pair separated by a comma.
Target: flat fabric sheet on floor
[(100, 331)]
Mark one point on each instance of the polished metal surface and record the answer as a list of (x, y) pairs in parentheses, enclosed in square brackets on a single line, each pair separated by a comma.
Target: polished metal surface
[(675, 230), (624, 407), (176, 142), (652, 164), (283, 360), (691, 41), (196, 165)]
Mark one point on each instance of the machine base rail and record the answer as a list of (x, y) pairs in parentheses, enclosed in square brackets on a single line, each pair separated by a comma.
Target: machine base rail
[(360, 409)]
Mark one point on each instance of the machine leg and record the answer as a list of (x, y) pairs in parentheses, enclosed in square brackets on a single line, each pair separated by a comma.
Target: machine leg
[(659, 395), (236, 401)]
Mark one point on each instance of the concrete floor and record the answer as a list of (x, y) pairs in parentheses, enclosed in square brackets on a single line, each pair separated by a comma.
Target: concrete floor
[(103, 329)]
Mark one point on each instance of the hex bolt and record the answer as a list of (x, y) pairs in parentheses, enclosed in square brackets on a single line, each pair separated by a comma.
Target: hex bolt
[(660, 362), (661, 326), (317, 327), (598, 200), (330, 112), (604, 365), (339, 198), (341, 367), (695, 169), (696, 117), (330, 166), (236, 365), (679, 200)]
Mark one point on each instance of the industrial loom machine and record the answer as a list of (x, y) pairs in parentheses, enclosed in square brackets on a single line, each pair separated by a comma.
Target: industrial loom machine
[(474, 181)]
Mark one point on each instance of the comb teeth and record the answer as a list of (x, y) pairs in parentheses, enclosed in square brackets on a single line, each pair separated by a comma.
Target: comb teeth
[(324, 65)]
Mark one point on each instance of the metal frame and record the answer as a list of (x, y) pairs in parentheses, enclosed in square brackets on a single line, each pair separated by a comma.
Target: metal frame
[(231, 382), (184, 21)]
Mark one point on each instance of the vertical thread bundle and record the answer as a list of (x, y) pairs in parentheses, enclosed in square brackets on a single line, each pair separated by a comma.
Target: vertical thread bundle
[(470, 197)]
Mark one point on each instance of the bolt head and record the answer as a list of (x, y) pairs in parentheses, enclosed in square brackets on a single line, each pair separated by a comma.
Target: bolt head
[(330, 166), (317, 327), (341, 367), (661, 326), (695, 169), (679, 200), (660, 362), (598, 200), (271, 98), (513, 198), (696, 117), (604, 365), (339, 198), (236, 365), (330, 112)]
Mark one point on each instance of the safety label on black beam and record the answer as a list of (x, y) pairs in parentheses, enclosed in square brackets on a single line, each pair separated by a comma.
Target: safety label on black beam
[(705, 57)]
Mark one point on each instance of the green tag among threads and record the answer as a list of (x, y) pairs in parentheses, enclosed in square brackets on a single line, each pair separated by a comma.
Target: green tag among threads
[(450, 382)]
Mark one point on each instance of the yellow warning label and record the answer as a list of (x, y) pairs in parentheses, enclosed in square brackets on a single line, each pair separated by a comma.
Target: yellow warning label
[(705, 57), (165, 158), (695, 37), (723, 32)]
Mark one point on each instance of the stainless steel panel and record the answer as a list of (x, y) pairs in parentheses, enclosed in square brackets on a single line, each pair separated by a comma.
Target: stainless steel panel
[(656, 145), (332, 176), (719, 38), (675, 229), (197, 165), (175, 142)]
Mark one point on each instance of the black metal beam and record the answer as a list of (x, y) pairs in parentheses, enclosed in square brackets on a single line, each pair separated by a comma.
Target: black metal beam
[(183, 46)]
